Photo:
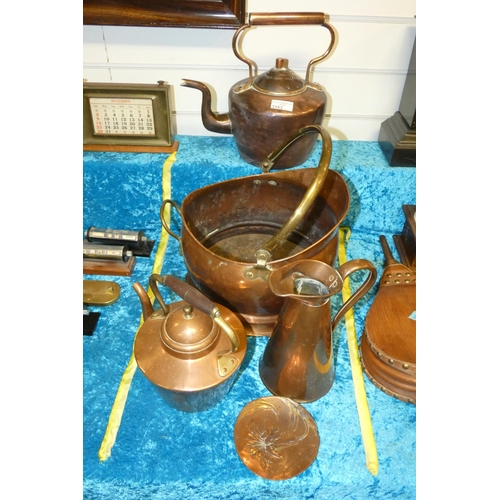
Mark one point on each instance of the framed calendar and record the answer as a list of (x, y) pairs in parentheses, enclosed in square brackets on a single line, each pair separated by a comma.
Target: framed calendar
[(127, 117)]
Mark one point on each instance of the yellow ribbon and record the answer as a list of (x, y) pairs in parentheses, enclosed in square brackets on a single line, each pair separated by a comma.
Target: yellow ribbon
[(357, 371), (115, 416)]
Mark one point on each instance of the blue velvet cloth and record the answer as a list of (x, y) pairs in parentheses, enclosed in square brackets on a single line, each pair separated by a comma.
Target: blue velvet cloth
[(162, 453)]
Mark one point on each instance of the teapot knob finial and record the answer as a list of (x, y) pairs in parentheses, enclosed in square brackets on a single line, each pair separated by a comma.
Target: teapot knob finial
[(188, 312), (281, 63)]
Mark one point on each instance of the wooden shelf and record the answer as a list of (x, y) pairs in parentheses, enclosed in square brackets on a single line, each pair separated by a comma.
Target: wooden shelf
[(109, 267), (132, 149)]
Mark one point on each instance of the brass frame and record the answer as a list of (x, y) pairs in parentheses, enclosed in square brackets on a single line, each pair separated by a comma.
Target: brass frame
[(161, 112)]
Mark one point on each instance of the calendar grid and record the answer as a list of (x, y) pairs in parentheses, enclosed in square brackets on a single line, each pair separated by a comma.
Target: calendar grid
[(122, 116)]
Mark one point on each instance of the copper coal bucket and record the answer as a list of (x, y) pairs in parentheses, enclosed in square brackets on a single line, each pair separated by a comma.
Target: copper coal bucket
[(235, 233)]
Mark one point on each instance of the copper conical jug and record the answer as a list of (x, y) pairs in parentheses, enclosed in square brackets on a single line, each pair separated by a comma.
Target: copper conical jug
[(298, 359)]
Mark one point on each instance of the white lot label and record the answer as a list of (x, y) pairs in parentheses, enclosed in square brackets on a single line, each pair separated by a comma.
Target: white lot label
[(283, 105)]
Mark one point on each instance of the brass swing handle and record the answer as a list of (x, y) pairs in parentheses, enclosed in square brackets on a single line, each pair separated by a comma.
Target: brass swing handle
[(195, 298), (264, 253), (279, 19)]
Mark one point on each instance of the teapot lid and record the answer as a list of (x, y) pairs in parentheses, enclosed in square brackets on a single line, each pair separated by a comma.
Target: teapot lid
[(185, 350), (280, 79), (188, 332)]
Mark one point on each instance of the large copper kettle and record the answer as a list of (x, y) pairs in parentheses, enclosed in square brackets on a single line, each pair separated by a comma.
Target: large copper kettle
[(265, 110), (189, 350)]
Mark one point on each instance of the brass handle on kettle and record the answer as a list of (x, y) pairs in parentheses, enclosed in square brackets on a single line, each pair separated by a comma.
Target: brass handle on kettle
[(264, 253), (288, 18), (283, 18), (195, 298)]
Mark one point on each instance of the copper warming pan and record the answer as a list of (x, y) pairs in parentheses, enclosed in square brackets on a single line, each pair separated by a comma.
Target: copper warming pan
[(234, 233)]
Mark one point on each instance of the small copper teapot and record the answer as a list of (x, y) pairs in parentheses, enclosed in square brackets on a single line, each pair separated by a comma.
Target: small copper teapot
[(190, 350), (265, 110), (297, 362)]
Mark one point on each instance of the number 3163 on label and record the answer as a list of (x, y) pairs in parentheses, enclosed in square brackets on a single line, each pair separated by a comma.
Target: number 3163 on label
[(122, 116)]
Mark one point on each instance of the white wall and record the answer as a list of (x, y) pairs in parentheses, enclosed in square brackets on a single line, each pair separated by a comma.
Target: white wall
[(363, 76)]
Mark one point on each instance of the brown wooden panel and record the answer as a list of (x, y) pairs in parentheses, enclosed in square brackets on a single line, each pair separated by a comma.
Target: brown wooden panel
[(225, 14), (109, 267)]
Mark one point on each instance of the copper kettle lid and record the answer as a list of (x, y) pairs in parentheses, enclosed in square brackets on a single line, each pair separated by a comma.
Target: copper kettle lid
[(280, 79), (188, 331)]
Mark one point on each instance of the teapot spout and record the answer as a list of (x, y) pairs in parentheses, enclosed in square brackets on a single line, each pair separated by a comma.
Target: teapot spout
[(215, 122), (147, 307)]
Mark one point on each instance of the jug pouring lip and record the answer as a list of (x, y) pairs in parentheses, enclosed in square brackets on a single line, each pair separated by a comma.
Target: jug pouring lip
[(283, 281)]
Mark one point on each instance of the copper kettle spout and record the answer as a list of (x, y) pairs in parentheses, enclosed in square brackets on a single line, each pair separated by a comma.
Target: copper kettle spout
[(215, 122), (147, 307)]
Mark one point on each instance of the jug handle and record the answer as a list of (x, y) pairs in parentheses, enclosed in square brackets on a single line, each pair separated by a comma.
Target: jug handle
[(164, 222), (279, 19), (264, 253), (195, 298), (346, 270)]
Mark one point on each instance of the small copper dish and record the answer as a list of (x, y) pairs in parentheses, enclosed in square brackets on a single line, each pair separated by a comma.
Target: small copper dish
[(276, 438)]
